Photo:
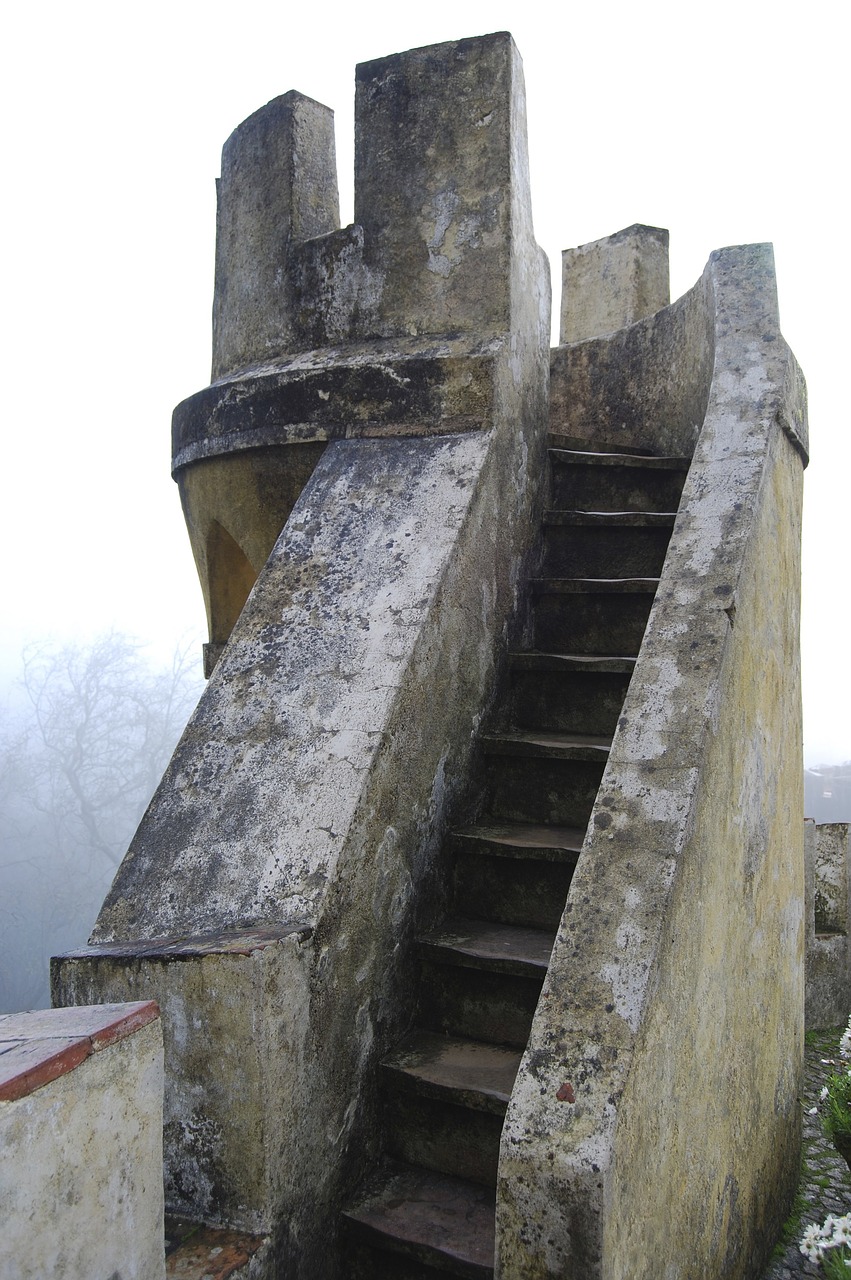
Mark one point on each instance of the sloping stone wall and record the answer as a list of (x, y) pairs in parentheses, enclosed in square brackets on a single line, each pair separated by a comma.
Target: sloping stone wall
[(674, 1001)]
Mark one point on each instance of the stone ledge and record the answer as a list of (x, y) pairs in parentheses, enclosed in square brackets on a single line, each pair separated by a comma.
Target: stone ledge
[(415, 389), (39, 1046), (240, 942)]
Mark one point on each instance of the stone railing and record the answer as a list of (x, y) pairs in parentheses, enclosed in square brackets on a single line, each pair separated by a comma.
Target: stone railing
[(673, 1002)]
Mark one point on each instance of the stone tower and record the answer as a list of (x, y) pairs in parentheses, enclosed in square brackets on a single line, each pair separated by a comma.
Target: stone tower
[(480, 860)]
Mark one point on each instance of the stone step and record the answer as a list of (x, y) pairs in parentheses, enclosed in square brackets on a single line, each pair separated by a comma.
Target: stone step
[(522, 840), (497, 948), (615, 461), (468, 1073), (549, 746), (558, 439), (534, 660), (553, 692), (442, 1137), (639, 585), (444, 1103), (519, 891), (481, 980), (591, 615), (616, 482), (591, 544), (600, 520), (428, 1219)]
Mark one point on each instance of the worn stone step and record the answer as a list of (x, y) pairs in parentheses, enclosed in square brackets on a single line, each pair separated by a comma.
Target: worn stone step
[(442, 1136), (522, 840), (479, 1003), (497, 948), (428, 1218), (601, 520), (536, 661), (561, 440), (544, 745), (555, 692), (444, 1103), (580, 544), (481, 980), (591, 615), (640, 585), (468, 1073), (615, 482), (542, 789), (611, 460)]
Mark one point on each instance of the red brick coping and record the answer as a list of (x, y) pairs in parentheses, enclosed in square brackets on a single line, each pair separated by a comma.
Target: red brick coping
[(41, 1045)]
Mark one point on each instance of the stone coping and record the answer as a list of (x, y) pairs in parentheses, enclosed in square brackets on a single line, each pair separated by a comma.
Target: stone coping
[(40, 1045), (372, 391), (239, 942)]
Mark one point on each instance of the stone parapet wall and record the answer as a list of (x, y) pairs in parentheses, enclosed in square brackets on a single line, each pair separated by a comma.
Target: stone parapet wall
[(81, 1189), (673, 1004)]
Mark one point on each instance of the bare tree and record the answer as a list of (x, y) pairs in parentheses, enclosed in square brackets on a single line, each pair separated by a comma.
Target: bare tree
[(79, 761)]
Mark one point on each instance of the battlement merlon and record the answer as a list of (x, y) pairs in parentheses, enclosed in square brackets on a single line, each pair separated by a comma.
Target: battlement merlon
[(442, 252), (422, 318)]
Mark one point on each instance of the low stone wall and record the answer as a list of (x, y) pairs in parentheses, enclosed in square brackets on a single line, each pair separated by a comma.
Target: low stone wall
[(81, 1143), (828, 862), (673, 1004), (644, 387)]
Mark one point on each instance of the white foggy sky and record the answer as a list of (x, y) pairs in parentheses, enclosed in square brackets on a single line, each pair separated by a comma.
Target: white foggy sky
[(726, 124)]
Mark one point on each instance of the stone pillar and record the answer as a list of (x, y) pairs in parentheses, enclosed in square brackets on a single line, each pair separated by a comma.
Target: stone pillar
[(278, 188), (433, 170), (613, 282)]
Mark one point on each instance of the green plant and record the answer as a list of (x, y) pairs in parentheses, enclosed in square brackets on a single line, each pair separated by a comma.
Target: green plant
[(836, 1104), (836, 1101)]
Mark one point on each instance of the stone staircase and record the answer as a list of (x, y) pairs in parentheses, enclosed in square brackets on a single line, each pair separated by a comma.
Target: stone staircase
[(429, 1208)]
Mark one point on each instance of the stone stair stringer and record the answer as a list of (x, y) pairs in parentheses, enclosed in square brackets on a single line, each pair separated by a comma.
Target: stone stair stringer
[(654, 1124)]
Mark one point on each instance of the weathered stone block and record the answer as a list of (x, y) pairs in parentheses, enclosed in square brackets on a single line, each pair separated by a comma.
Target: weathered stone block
[(81, 1143), (234, 1016), (828, 851), (278, 188), (612, 283)]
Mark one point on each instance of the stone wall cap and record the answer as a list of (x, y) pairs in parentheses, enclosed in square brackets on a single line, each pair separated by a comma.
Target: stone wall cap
[(41, 1045), (366, 70), (241, 942)]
